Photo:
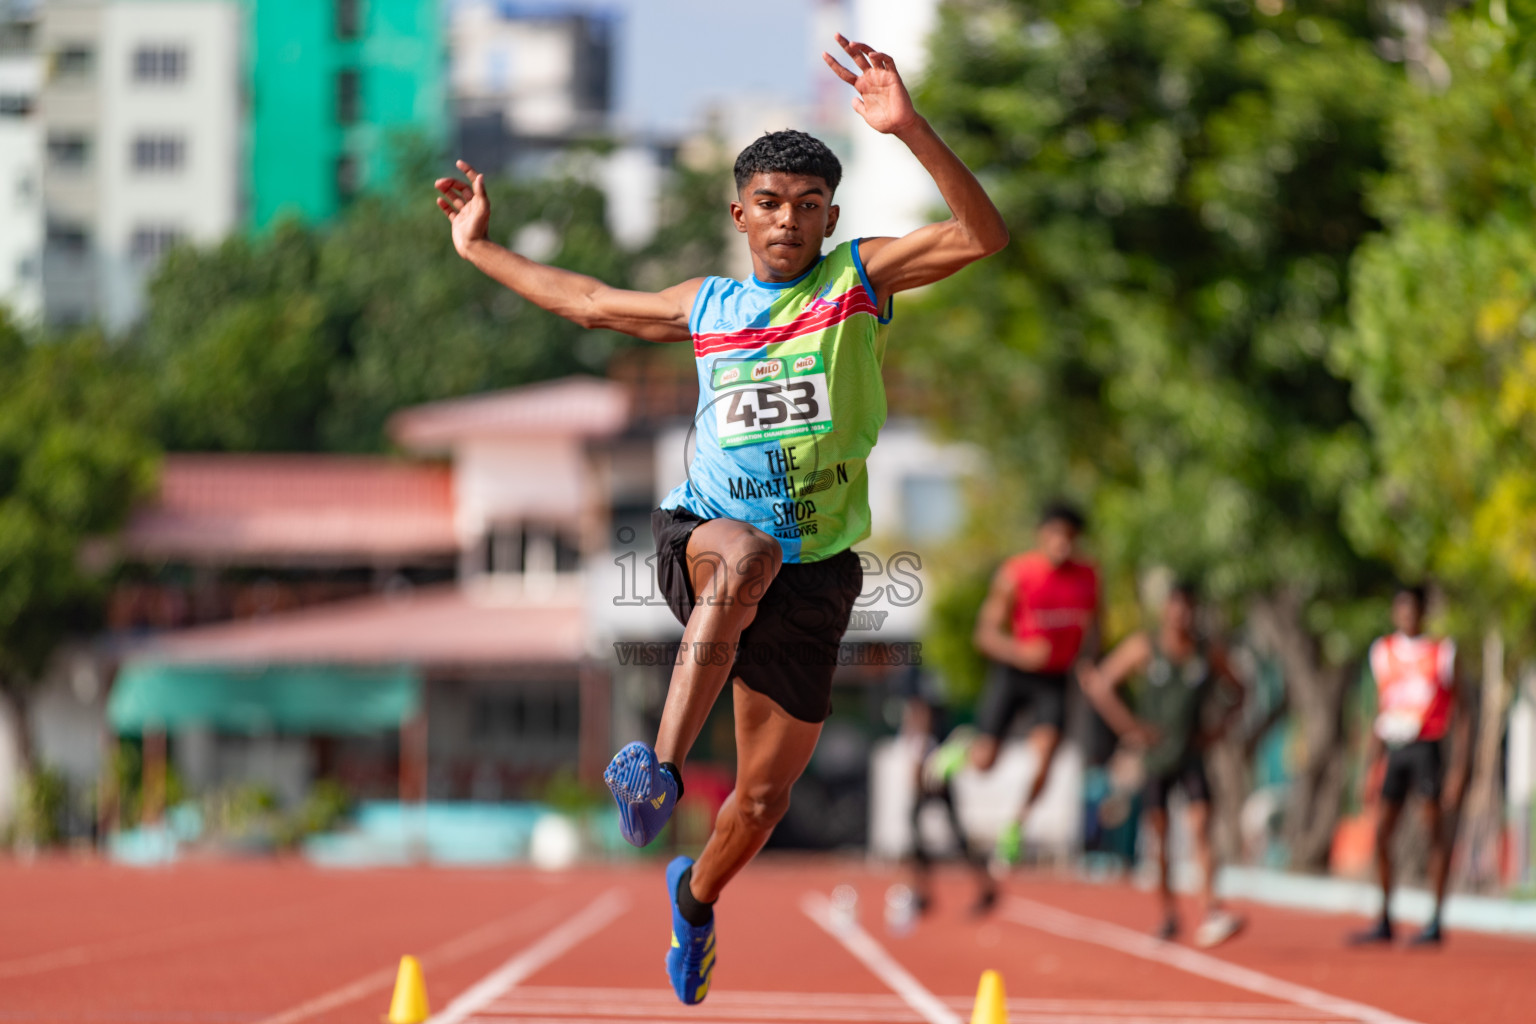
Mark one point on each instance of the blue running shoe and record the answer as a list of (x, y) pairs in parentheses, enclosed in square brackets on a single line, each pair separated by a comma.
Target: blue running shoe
[(646, 795), (691, 960)]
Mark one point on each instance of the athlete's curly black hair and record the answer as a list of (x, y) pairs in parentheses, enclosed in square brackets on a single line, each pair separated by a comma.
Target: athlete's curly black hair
[(788, 152), (1061, 511)]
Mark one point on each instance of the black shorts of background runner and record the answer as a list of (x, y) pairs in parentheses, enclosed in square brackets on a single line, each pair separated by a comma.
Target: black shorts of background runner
[(1011, 690), (789, 650), (1189, 776), (1417, 767)]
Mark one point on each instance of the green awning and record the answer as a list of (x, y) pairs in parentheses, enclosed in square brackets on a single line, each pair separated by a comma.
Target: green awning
[(306, 699)]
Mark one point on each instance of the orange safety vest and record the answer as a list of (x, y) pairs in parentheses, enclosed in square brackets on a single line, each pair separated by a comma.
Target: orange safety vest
[(1414, 676)]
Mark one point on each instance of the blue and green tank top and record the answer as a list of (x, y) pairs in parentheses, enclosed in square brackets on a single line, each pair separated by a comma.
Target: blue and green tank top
[(790, 403)]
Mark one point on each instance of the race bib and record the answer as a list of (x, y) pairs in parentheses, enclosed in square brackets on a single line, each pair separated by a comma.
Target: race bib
[(1399, 728), (766, 399)]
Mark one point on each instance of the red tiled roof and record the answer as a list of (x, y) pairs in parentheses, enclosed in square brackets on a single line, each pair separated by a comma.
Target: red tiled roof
[(244, 508), (571, 407), (428, 626)]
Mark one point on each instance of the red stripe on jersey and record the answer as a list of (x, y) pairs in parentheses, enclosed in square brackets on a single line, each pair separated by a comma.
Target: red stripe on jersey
[(822, 313)]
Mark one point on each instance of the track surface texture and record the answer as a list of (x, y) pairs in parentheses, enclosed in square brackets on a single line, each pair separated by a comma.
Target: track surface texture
[(283, 943)]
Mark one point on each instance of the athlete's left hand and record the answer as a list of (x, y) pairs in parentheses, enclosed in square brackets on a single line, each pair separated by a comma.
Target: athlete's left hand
[(882, 100)]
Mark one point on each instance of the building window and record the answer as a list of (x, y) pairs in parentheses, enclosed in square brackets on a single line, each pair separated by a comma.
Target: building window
[(150, 243), (68, 151), (348, 105), (528, 723), (159, 153), (347, 177), (349, 18), (15, 104), (74, 60), (529, 549), (160, 64), (70, 239), (16, 37), (932, 507)]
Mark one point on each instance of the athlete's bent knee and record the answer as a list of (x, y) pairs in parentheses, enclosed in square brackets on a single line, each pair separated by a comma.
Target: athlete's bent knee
[(762, 809), (754, 562)]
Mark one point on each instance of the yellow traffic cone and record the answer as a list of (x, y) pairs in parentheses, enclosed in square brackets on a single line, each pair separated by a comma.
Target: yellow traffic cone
[(409, 1006), (991, 1002)]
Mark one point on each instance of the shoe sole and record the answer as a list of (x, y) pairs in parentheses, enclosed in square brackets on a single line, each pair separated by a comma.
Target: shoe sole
[(629, 775)]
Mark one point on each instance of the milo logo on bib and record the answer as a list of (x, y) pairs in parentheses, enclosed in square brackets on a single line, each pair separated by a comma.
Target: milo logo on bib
[(769, 399)]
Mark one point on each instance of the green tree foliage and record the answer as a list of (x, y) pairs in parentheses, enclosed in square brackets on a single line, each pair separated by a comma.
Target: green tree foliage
[(1184, 183), (308, 339), (75, 453), (1440, 350)]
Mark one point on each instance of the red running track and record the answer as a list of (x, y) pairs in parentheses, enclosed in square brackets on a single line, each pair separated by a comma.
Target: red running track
[(284, 943)]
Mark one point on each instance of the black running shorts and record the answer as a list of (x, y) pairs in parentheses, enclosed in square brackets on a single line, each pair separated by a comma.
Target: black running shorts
[(1416, 767), (790, 649), (1010, 691), (1189, 776)]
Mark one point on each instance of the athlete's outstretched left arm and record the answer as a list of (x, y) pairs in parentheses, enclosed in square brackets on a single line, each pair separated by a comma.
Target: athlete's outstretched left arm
[(933, 252)]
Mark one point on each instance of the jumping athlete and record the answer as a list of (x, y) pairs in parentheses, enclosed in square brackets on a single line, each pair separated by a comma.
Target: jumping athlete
[(754, 548), (1039, 618), (1415, 679), (1180, 673)]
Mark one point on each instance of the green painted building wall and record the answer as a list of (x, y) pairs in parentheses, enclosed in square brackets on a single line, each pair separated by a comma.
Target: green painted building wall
[(306, 151)]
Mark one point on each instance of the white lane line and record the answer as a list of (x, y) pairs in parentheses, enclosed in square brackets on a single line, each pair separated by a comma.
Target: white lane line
[(1046, 918), (739, 1000), (874, 956), (598, 914), (384, 978), (528, 1005), (1029, 1018)]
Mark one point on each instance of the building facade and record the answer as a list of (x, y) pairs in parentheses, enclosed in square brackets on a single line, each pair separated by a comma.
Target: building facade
[(21, 164), (336, 90), (140, 109)]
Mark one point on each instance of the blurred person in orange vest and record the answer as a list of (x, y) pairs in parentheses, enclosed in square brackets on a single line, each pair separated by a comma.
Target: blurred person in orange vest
[(1038, 620), (1415, 678)]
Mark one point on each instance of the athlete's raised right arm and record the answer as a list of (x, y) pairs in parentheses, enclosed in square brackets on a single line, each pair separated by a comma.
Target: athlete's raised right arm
[(654, 316)]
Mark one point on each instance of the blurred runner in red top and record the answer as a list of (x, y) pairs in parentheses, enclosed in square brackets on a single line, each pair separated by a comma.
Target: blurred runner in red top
[(1039, 619)]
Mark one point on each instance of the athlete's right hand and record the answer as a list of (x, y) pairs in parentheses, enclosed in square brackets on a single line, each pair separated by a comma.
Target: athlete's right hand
[(1032, 653), (467, 206), (1142, 735)]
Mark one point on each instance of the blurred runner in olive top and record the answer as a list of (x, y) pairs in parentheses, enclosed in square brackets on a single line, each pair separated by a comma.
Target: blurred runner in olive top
[(1179, 673)]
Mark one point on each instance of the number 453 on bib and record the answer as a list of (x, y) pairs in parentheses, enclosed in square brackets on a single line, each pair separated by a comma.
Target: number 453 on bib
[(767, 399)]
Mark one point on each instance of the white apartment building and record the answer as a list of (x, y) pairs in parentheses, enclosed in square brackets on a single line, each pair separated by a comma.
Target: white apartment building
[(21, 166), (140, 108), (170, 149), (69, 42)]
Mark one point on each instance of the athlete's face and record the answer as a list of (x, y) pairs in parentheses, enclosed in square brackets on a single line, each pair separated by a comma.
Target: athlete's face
[(1057, 540), (1407, 616), (1179, 613), (785, 217)]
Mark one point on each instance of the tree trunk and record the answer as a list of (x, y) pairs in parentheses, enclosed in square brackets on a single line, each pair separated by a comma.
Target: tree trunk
[(1315, 693), (16, 698), (1482, 830)]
